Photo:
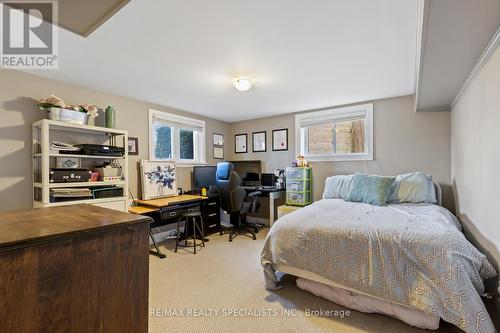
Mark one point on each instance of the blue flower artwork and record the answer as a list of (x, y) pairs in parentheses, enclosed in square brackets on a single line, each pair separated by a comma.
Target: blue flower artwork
[(159, 177)]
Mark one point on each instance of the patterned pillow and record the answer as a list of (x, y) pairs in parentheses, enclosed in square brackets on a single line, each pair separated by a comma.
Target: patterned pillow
[(374, 190), (415, 187)]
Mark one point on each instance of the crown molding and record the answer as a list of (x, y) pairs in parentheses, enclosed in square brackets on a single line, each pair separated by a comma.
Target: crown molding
[(422, 23), (444, 108), (483, 59)]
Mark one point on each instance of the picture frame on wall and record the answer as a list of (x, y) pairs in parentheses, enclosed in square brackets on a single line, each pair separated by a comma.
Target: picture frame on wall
[(218, 153), (280, 139), (218, 139), (158, 179), (133, 146), (240, 143), (259, 143)]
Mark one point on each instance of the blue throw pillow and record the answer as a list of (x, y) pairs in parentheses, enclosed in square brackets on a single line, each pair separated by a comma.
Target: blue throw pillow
[(374, 190), (415, 187)]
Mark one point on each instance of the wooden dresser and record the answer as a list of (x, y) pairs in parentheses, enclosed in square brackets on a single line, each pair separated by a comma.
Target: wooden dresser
[(79, 268)]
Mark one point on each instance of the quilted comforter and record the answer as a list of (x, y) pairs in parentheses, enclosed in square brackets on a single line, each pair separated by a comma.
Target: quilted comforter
[(410, 254)]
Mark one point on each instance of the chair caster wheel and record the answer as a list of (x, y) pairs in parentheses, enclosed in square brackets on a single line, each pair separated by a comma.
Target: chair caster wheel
[(254, 238), (221, 233), (230, 240)]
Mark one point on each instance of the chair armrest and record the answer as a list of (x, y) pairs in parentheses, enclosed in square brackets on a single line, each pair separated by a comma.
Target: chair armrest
[(254, 194), (253, 198)]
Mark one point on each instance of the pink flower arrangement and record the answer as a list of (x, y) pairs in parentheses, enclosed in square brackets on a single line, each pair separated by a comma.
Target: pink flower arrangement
[(57, 102)]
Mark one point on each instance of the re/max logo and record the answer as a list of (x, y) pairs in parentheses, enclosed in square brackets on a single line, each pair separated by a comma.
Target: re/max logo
[(29, 36)]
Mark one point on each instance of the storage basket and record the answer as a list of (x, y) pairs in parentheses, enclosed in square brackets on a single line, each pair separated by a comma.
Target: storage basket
[(67, 115), (298, 198)]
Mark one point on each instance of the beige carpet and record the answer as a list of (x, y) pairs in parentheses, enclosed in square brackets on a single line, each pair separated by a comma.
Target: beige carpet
[(220, 289)]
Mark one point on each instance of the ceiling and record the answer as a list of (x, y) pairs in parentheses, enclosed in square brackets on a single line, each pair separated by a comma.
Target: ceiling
[(84, 17), (302, 55), (457, 32), (81, 17)]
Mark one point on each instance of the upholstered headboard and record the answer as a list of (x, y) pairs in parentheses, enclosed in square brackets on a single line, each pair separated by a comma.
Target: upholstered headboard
[(437, 188)]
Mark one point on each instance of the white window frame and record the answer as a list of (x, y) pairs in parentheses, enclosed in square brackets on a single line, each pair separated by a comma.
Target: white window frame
[(337, 114), (198, 137)]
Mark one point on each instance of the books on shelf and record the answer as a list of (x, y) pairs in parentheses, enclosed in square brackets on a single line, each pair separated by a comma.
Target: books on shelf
[(70, 192), (58, 146)]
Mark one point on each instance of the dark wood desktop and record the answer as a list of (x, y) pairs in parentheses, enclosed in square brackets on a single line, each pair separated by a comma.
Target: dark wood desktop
[(77, 268)]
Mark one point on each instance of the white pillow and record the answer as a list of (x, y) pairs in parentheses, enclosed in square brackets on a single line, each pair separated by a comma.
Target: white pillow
[(415, 187), (337, 187)]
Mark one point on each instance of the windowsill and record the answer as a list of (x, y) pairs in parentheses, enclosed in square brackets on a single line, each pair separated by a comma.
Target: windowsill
[(186, 164), (339, 158)]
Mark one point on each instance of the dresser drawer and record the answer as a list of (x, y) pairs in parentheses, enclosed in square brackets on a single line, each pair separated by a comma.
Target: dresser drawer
[(212, 223), (298, 198), (211, 209), (298, 185), (175, 213), (298, 173)]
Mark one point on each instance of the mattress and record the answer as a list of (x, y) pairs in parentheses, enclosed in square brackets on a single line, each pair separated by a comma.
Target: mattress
[(367, 304), (414, 255)]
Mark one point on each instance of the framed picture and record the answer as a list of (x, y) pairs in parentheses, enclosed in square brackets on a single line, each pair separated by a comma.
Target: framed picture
[(259, 142), (133, 146), (280, 139), (240, 143), (158, 179), (218, 139), (218, 153)]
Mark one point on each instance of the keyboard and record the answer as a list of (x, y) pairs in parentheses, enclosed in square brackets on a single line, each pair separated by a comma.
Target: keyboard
[(256, 188), (250, 187)]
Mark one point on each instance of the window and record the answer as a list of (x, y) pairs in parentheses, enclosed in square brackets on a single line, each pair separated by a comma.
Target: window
[(178, 138), (342, 134)]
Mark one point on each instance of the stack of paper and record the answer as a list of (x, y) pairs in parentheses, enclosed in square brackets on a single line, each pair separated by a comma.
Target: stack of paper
[(70, 192), (58, 145)]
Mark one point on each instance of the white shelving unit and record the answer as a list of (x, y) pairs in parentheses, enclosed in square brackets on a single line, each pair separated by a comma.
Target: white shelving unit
[(45, 131)]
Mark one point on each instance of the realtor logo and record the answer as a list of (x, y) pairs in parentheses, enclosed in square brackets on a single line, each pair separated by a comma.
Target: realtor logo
[(29, 34)]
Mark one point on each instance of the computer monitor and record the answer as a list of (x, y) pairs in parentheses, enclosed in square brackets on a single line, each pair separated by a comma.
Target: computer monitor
[(249, 171), (268, 179), (204, 176)]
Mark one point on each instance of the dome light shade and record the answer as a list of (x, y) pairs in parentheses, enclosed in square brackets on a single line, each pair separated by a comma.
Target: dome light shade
[(243, 84)]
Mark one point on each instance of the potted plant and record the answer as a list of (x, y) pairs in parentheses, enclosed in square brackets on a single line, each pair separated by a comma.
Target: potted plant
[(58, 110)]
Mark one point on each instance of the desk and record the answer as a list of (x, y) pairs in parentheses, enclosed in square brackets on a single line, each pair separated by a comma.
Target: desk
[(273, 194), (168, 210), (142, 210), (165, 202)]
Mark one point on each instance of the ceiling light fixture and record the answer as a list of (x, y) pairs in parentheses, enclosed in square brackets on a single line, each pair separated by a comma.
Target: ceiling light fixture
[(242, 84)]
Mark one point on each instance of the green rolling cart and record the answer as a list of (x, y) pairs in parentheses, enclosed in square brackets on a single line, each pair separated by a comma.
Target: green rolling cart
[(298, 186)]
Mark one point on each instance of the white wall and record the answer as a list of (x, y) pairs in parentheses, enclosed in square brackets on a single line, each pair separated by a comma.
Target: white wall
[(404, 141), (19, 93), (475, 151)]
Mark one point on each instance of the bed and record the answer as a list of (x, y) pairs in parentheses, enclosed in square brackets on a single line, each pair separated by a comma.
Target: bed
[(413, 256)]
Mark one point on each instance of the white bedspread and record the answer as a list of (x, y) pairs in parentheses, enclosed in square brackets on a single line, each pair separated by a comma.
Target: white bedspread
[(414, 255)]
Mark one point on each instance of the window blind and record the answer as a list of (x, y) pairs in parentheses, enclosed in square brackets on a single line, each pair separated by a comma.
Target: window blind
[(193, 126), (316, 121)]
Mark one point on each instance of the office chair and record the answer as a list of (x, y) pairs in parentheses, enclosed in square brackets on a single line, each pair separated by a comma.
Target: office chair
[(235, 200)]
